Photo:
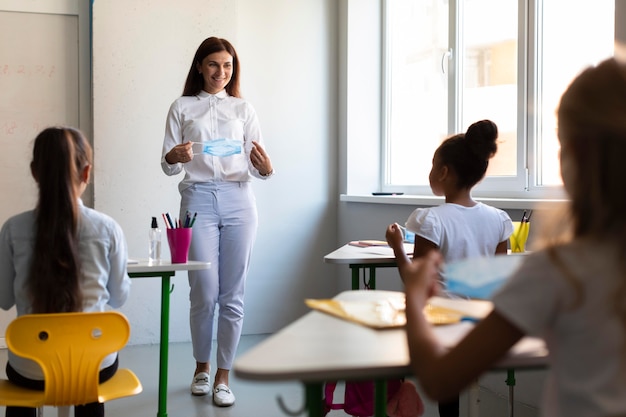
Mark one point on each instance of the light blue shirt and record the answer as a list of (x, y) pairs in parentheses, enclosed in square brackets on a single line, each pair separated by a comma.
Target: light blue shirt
[(103, 256)]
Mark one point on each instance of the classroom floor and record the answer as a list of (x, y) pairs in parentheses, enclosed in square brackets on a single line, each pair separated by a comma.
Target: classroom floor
[(254, 399)]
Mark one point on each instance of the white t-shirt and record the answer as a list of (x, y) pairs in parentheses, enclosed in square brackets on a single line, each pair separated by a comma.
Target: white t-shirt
[(206, 117), (462, 232), (587, 366)]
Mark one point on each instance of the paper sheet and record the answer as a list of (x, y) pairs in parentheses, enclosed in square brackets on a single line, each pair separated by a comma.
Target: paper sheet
[(390, 312)]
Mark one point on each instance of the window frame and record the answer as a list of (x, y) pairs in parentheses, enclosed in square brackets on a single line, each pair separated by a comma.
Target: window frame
[(524, 185)]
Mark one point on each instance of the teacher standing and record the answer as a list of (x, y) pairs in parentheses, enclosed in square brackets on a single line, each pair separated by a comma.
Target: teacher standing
[(214, 136)]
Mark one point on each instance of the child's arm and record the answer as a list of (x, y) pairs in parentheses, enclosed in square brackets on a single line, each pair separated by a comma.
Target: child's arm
[(441, 373), (422, 246), (396, 242), (502, 248)]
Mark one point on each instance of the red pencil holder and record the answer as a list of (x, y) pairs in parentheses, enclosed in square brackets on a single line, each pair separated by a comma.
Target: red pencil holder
[(179, 241)]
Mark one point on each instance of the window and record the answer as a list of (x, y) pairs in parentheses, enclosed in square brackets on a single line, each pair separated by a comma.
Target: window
[(449, 63)]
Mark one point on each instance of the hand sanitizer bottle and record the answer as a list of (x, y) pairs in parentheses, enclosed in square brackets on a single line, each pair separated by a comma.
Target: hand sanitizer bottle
[(154, 249)]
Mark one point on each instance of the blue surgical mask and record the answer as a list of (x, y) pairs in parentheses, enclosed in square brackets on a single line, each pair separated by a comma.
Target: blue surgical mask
[(219, 147)]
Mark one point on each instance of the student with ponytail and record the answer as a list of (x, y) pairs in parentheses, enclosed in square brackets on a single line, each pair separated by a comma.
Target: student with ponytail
[(61, 256)]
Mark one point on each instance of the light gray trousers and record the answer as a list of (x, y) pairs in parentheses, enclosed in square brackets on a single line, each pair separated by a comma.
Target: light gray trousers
[(223, 234)]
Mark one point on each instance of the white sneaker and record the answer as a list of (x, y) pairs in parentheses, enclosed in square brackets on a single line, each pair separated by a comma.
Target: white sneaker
[(201, 384), (223, 396)]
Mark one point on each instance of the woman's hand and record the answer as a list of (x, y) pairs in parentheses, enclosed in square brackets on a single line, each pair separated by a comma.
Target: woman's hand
[(260, 159), (180, 153)]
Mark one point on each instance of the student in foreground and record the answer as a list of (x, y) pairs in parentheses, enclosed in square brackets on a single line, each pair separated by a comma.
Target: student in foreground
[(61, 256), (572, 293)]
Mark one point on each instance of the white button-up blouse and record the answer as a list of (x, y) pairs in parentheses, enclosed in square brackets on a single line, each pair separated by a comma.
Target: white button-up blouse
[(206, 117)]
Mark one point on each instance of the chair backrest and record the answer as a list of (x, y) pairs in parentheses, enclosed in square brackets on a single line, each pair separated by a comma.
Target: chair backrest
[(69, 347)]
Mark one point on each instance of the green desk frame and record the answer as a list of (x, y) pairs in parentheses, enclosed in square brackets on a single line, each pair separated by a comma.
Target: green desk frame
[(166, 271), (369, 280), (365, 270), (298, 352)]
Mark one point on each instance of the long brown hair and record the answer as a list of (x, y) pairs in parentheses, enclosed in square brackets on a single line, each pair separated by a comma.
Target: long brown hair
[(592, 132), (195, 83), (60, 155)]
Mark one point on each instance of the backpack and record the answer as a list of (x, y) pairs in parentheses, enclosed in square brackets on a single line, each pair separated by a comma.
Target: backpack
[(358, 397)]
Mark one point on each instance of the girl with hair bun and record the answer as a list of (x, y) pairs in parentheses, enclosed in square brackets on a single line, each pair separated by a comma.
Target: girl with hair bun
[(461, 227)]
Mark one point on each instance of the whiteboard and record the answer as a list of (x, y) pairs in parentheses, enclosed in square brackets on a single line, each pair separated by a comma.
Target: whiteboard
[(45, 79), (39, 87)]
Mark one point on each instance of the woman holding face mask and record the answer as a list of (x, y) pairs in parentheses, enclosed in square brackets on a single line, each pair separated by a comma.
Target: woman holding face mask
[(213, 135)]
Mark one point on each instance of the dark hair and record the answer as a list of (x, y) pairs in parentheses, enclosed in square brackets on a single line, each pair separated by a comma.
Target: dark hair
[(195, 83), (60, 155), (468, 153)]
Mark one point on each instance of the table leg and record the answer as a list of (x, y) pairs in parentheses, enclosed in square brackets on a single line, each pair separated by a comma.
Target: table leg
[(314, 399), (510, 381), (164, 344), (371, 284), (380, 398), (355, 276)]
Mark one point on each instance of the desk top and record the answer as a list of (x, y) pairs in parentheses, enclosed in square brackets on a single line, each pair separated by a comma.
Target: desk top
[(144, 265), (348, 254), (318, 347)]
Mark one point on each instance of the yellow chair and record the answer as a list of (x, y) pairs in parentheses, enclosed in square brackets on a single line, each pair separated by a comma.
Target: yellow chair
[(69, 347)]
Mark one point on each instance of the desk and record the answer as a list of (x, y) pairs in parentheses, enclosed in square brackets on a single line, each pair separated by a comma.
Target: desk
[(361, 259), (318, 347), (165, 270)]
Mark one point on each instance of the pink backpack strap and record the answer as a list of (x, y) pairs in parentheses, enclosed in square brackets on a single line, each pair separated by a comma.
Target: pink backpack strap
[(329, 390)]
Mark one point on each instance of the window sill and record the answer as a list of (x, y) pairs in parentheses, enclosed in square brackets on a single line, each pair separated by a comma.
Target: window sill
[(425, 200)]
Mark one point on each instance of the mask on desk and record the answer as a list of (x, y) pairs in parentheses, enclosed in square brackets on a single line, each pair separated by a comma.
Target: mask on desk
[(218, 147)]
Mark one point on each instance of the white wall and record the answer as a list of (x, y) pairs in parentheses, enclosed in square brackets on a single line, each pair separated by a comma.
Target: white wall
[(142, 50)]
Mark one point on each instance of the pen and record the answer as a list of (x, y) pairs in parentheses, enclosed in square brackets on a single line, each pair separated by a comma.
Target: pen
[(194, 219), (529, 214), (169, 219), (167, 224)]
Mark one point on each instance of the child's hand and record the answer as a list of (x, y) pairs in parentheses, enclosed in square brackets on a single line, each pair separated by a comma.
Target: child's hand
[(421, 275), (394, 235)]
